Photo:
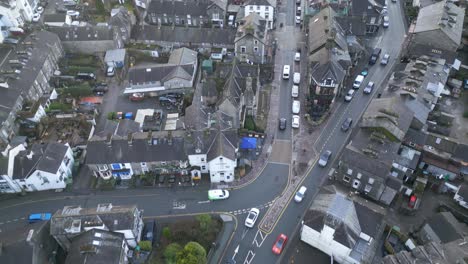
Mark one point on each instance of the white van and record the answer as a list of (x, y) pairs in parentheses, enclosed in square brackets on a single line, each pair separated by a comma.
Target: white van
[(295, 91), (297, 78), (296, 107), (358, 81), (286, 72)]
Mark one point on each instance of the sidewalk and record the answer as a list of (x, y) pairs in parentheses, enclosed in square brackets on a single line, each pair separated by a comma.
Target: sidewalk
[(223, 239)]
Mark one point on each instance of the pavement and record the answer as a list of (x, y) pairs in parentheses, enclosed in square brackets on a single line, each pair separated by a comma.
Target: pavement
[(229, 226)]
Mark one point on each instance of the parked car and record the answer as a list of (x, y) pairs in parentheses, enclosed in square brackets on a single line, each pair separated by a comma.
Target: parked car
[(347, 124), (279, 244), (300, 194), (252, 217), (33, 218), (40, 9), (296, 107), (385, 59), (358, 81), (295, 91), (172, 179), (298, 19), (110, 71), (375, 56), (166, 100), (100, 89), (73, 13), (148, 231), (282, 123), (36, 17), (297, 78), (297, 57), (349, 96), (386, 21), (137, 97), (161, 179), (295, 121), (218, 194), (324, 158), (369, 88), (85, 76)]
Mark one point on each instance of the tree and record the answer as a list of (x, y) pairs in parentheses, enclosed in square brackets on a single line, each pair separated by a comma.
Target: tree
[(193, 253), (205, 221), (170, 253), (145, 245), (166, 232)]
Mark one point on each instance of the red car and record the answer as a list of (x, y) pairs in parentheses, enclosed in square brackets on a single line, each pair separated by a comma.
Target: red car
[(279, 244)]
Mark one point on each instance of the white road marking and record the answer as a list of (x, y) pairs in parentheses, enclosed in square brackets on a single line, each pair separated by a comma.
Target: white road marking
[(245, 232), (204, 202), (262, 236), (249, 257), (178, 205)]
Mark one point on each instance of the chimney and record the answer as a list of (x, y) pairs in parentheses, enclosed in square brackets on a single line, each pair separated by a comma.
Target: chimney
[(109, 139), (150, 138), (130, 138), (169, 137)]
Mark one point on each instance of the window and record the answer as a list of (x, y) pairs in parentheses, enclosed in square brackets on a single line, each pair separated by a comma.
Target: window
[(202, 159), (203, 167), (267, 16), (346, 179), (255, 42), (251, 8), (243, 49), (221, 159), (255, 49), (258, 7)]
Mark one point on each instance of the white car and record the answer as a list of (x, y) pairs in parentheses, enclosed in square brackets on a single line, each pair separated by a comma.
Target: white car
[(349, 96), (300, 194), (73, 13), (296, 78), (252, 217), (218, 194), (386, 21), (39, 10), (295, 121), (36, 17), (298, 19), (296, 107), (295, 91), (297, 57)]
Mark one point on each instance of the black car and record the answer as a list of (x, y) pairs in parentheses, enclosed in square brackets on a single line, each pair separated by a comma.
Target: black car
[(148, 231), (375, 56), (282, 123), (100, 89), (347, 124), (172, 179)]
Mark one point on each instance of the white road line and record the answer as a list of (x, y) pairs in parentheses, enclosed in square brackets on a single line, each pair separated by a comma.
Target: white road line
[(250, 256), (15, 220), (262, 237), (203, 202)]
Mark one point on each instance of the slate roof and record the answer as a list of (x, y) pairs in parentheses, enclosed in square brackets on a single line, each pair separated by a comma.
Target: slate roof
[(101, 246), (369, 8), (463, 192), (253, 25), (120, 151), (461, 152), (55, 17), (260, 3), (162, 73), (352, 25), (322, 27), (443, 227), (88, 33), (224, 144), (209, 88), (437, 17), (183, 56), (47, 158)]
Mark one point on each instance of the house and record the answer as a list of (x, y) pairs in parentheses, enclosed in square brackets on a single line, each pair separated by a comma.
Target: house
[(177, 75), (123, 21), (197, 37), (438, 26), (251, 39), (44, 167), (345, 227), (115, 58), (89, 39), (72, 221), (57, 20), (35, 111), (329, 61), (25, 75), (137, 153), (461, 196), (369, 12), (17, 12), (263, 8), (442, 228), (98, 246), (222, 156), (187, 13)]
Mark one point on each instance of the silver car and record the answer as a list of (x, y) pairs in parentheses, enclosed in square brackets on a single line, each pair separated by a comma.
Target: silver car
[(252, 217), (385, 59), (324, 158)]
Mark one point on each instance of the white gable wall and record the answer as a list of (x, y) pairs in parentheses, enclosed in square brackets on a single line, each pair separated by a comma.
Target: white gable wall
[(222, 169), (200, 161), (265, 11)]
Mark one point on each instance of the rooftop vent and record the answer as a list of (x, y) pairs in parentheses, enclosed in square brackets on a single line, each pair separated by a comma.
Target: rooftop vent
[(106, 207), (71, 210), (75, 227)]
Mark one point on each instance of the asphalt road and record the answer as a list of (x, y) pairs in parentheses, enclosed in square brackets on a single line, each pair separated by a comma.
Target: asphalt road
[(255, 246)]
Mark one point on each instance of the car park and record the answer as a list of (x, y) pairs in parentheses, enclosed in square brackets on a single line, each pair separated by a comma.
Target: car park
[(252, 217), (324, 158), (369, 88), (295, 121), (349, 96), (282, 123), (297, 57), (297, 78), (279, 244), (385, 59), (358, 81), (347, 124), (218, 194), (300, 194), (296, 107), (295, 91)]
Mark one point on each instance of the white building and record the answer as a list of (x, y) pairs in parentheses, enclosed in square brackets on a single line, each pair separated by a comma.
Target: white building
[(222, 157), (264, 8), (346, 228), (17, 12), (44, 167), (461, 196)]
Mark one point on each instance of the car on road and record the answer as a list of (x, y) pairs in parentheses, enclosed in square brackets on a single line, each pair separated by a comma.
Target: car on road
[(100, 89), (298, 19), (365, 71), (279, 244), (36, 17), (297, 57), (349, 96), (295, 121), (296, 107), (218, 194), (252, 217), (282, 123), (369, 88), (347, 124), (375, 56), (300, 194), (386, 21), (286, 70), (385, 59), (33, 218), (135, 97), (324, 158), (297, 78), (358, 81), (295, 91)]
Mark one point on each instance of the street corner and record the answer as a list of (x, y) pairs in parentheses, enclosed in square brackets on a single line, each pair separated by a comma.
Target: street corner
[(281, 152)]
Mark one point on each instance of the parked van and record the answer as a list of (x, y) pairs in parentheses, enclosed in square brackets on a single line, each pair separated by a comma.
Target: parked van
[(286, 72), (297, 78), (375, 56), (295, 91), (358, 81), (85, 76), (296, 107)]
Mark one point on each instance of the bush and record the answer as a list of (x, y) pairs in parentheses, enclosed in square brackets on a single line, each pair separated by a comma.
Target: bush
[(59, 106), (193, 253), (170, 253), (465, 114), (111, 115), (249, 123), (145, 245), (166, 232), (205, 222)]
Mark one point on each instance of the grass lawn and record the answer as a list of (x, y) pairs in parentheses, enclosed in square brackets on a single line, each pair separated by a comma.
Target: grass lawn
[(182, 232)]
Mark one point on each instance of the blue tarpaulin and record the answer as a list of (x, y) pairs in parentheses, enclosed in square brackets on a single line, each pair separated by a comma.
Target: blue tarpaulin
[(248, 143)]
